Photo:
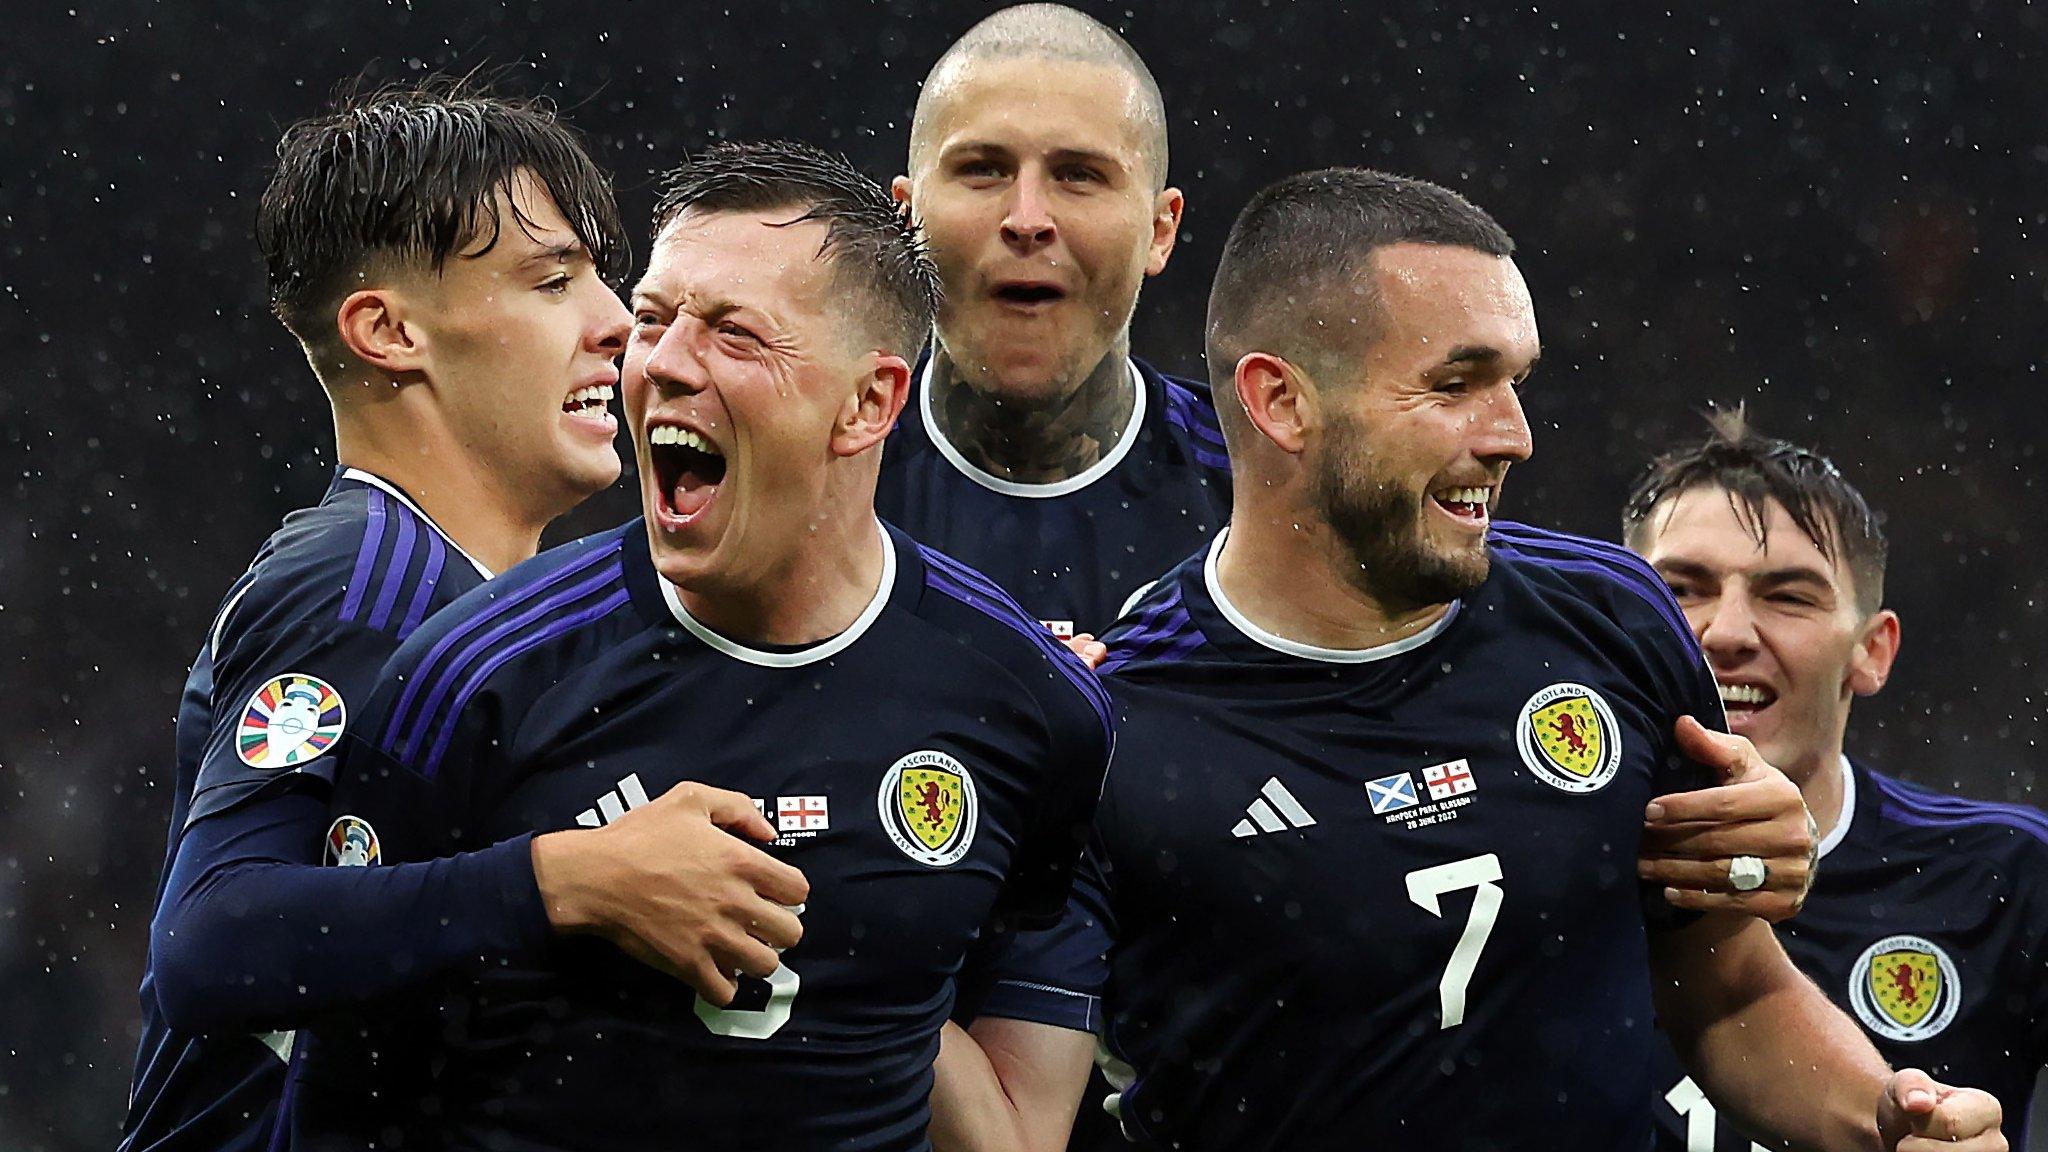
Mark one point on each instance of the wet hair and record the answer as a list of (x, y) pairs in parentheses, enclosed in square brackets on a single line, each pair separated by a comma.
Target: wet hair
[(1754, 471), (1047, 32), (1295, 277), (409, 174), (876, 253)]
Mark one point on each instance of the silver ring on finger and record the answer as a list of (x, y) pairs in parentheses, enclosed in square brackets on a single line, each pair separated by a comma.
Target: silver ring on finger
[(1748, 873)]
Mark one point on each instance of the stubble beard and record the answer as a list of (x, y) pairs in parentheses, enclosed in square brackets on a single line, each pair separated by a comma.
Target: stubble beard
[(1378, 524)]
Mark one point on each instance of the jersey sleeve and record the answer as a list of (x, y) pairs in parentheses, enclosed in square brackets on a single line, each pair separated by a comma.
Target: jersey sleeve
[(425, 748), (1688, 689), (1056, 830), (1685, 687), (2031, 943), (287, 687), (1053, 975), (253, 934)]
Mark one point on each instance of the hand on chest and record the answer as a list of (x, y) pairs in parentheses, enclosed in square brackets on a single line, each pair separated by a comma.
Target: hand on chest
[(903, 818)]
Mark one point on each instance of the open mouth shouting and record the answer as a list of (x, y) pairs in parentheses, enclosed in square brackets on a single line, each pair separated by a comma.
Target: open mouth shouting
[(1466, 504), (688, 468)]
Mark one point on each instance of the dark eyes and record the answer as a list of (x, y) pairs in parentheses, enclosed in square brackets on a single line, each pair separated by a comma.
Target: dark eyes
[(556, 284)]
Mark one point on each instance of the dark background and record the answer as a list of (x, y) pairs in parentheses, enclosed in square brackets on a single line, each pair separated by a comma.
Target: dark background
[(1833, 212)]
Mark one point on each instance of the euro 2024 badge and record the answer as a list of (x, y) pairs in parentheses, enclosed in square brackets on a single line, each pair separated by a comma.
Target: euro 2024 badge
[(1905, 988), (352, 843), (1568, 737), (928, 807), (290, 720)]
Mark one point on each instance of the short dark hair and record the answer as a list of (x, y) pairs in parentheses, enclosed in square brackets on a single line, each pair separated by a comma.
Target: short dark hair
[(409, 173), (876, 252), (1753, 470), (1293, 278)]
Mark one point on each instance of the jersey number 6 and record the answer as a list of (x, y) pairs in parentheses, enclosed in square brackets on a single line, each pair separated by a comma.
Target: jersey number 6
[(1425, 885)]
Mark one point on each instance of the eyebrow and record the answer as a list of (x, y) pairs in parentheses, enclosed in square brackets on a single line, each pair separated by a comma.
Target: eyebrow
[(1794, 575), (553, 253), (1694, 570), (1482, 355), (1063, 154)]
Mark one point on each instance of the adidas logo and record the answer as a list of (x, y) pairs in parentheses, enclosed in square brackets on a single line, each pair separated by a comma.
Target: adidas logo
[(1276, 810), (623, 798)]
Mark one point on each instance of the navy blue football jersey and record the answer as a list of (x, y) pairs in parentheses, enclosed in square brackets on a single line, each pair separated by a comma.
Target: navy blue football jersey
[(1928, 924), (1076, 552), (930, 769), (1381, 898), (295, 646)]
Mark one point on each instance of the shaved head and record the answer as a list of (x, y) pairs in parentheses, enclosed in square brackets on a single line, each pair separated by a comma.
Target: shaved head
[(1045, 32)]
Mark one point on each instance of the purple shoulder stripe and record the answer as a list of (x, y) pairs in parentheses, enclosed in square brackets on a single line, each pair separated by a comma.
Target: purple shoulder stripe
[(366, 557), (435, 669), (1919, 807), (430, 578), (953, 579), (394, 572), (440, 707), (1205, 439), (1164, 630), (561, 626), (1617, 565)]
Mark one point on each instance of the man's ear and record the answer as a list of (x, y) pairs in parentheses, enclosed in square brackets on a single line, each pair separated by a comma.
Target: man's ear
[(871, 411), (899, 190), (1278, 398), (1166, 210), (375, 327), (1870, 665)]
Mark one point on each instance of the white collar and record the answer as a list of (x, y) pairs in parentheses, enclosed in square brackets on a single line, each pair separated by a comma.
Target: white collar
[(811, 655), (1066, 487), (391, 490), (1309, 651), (1841, 828)]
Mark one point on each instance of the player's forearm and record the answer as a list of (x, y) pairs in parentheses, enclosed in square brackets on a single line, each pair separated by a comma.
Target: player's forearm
[(1769, 1049), (254, 936)]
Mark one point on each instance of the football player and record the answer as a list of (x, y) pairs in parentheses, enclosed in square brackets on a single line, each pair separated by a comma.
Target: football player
[(1035, 447), (1366, 871), (1929, 923), (930, 753), (441, 255)]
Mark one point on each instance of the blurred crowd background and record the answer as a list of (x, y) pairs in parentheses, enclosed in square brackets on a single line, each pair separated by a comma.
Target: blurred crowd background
[(1833, 212)]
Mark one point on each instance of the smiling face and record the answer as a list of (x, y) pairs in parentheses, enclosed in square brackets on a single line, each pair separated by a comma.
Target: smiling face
[(1779, 623), (748, 394), (1414, 448), (1043, 216), (522, 343)]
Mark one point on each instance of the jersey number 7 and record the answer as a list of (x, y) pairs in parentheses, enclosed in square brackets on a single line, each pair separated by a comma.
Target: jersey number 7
[(1425, 886)]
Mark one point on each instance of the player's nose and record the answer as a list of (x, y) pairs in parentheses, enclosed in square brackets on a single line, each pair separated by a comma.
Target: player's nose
[(1501, 431), (1727, 628), (1027, 217), (677, 362), (609, 326)]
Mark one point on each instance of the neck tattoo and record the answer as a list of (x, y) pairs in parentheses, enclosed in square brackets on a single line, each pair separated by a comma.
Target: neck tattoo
[(1029, 442)]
